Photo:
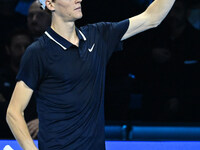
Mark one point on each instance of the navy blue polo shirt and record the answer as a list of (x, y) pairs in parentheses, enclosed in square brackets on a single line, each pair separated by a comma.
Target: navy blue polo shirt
[(69, 85)]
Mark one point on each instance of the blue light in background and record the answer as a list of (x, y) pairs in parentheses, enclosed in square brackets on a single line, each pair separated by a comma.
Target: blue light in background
[(140, 145), (129, 145), (189, 62), (131, 76), (165, 133)]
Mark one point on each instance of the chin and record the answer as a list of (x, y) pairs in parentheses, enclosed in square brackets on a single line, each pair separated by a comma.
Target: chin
[(78, 17)]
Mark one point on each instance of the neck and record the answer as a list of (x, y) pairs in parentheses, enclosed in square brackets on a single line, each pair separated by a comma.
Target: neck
[(66, 30)]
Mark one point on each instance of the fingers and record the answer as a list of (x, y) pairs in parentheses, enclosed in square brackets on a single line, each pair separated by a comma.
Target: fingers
[(33, 127), (34, 135)]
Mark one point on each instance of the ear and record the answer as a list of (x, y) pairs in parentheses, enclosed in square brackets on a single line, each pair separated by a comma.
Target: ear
[(50, 5)]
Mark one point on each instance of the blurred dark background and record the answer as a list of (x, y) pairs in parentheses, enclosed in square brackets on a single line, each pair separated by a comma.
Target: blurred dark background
[(154, 79)]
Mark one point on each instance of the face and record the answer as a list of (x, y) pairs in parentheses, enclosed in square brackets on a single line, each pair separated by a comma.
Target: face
[(68, 10), (18, 46), (38, 20)]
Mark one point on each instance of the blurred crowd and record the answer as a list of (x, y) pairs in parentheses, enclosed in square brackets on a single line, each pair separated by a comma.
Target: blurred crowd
[(19, 30), (155, 78)]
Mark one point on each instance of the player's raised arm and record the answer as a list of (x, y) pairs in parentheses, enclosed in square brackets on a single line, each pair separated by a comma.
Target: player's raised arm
[(150, 18)]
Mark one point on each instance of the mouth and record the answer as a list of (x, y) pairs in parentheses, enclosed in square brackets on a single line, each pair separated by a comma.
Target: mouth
[(78, 8)]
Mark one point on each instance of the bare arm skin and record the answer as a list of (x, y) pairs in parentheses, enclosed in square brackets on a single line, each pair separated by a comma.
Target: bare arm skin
[(15, 115), (150, 18)]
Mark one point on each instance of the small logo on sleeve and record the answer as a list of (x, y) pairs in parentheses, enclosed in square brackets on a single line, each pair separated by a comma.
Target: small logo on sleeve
[(91, 49)]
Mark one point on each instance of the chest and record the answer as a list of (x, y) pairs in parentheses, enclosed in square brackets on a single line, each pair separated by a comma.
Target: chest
[(72, 64)]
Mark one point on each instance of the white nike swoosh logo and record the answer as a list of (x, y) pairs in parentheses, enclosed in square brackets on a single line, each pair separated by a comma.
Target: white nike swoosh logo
[(91, 49)]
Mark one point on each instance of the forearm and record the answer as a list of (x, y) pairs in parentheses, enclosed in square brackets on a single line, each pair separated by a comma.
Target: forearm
[(158, 10), (150, 18), (19, 129)]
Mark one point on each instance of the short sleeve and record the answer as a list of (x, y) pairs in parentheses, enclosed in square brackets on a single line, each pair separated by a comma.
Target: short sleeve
[(112, 33), (31, 68)]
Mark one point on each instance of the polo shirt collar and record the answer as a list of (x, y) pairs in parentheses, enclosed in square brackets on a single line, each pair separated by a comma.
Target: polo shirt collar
[(62, 42)]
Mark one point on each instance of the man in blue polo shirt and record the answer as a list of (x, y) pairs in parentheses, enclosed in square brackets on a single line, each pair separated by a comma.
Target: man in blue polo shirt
[(66, 69)]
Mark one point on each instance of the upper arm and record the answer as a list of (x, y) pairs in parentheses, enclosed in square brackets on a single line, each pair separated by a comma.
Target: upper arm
[(20, 98), (138, 24)]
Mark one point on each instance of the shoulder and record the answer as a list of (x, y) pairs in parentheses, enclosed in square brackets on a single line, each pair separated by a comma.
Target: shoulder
[(94, 30), (37, 47), (104, 26), (94, 26), (33, 53)]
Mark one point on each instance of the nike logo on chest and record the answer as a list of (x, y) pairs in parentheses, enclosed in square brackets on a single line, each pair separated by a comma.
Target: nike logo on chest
[(91, 49)]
